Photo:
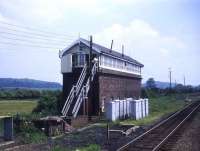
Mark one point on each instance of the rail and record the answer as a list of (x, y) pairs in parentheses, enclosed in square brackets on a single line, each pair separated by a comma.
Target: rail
[(170, 134), (160, 141)]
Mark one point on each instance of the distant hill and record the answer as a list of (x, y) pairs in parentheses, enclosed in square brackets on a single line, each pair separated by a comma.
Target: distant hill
[(161, 85), (28, 83)]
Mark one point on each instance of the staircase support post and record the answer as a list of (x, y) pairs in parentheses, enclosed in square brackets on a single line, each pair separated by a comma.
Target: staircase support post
[(84, 106)]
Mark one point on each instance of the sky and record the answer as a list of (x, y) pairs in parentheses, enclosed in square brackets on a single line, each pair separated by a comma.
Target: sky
[(161, 34)]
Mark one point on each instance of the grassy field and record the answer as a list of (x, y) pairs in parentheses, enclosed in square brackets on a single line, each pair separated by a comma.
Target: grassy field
[(159, 106), (11, 107)]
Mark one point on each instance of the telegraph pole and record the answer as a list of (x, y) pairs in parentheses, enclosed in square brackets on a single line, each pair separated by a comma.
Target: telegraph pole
[(89, 72), (111, 46), (184, 80), (90, 54), (170, 79), (122, 50)]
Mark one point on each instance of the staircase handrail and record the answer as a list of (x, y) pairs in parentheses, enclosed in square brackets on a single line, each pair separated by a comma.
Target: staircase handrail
[(68, 101), (75, 89), (84, 91), (81, 79), (78, 102)]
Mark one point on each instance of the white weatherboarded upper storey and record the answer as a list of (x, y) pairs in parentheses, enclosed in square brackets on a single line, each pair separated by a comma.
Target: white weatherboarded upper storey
[(108, 58)]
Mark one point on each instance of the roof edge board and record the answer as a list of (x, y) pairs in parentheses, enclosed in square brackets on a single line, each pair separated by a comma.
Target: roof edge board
[(75, 43)]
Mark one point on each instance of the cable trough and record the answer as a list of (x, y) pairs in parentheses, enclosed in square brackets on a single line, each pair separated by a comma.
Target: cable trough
[(154, 138)]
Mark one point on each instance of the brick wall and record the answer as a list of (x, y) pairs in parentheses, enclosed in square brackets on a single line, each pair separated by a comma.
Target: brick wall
[(104, 87), (114, 86)]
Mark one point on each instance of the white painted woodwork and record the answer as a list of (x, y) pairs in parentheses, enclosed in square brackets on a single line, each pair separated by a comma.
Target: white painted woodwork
[(66, 63)]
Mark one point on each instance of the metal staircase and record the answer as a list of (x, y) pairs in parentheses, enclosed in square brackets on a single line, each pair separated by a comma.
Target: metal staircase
[(79, 91)]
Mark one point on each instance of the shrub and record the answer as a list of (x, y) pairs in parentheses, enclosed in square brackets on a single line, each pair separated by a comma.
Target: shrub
[(30, 134), (48, 103)]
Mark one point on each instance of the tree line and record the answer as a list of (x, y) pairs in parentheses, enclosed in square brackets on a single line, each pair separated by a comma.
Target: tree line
[(19, 93), (177, 88)]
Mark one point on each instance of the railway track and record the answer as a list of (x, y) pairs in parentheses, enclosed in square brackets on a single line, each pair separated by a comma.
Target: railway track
[(154, 138)]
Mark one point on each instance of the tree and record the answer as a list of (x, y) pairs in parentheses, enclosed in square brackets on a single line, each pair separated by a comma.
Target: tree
[(49, 103), (197, 88), (151, 84), (189, 89)]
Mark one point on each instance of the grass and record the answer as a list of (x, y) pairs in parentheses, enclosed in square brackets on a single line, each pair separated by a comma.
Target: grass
[(91, 147), (11, 107), (159, 106)]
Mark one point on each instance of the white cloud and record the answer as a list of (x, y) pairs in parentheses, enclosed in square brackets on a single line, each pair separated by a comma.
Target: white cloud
[(141, 2), (164, 52), (138, 34), (173, 40), (50, 10), (144, 43), (2, 18), (54, 10)]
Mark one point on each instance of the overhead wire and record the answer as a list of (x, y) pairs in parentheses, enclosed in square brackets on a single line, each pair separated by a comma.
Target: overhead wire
[(32, 37), (34, 29), (28, 45), (11, 49), (31, 41), (36, 34)]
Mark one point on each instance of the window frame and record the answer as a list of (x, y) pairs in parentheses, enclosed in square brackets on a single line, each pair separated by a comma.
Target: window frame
[(78, 60)]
